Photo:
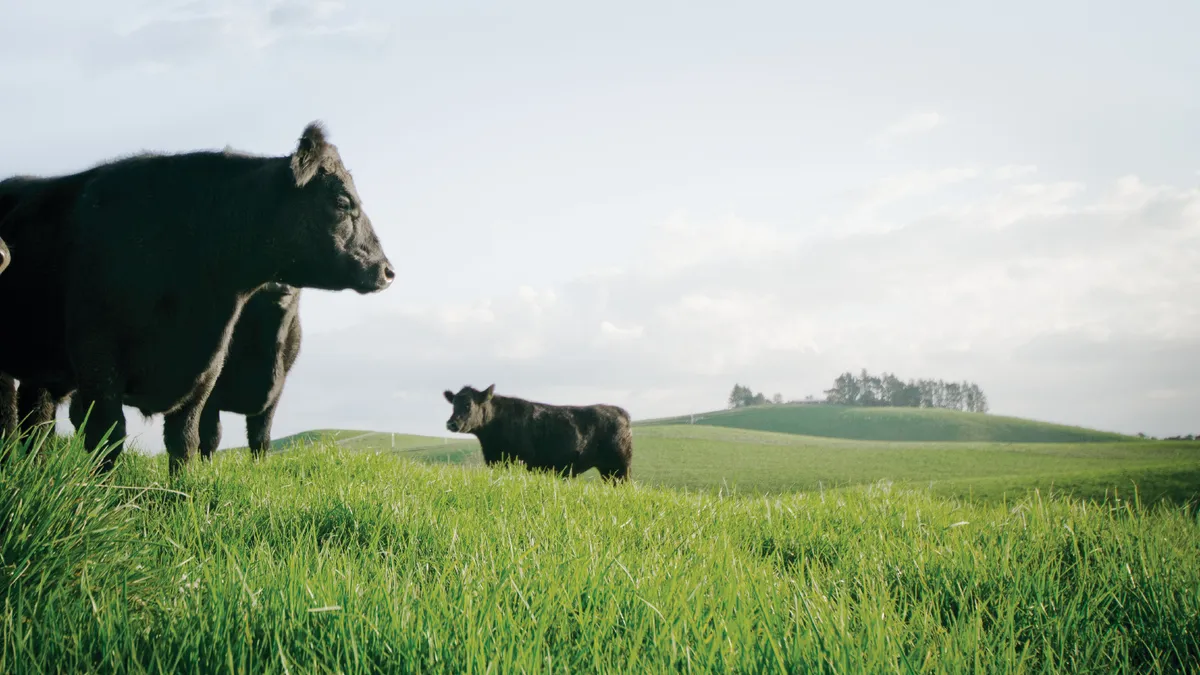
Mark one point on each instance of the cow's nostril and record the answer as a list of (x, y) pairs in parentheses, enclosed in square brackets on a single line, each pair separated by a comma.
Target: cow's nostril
[(389, 273)]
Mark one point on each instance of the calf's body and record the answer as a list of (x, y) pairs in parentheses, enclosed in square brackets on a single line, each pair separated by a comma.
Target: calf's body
[(567, 440), (261, 353)]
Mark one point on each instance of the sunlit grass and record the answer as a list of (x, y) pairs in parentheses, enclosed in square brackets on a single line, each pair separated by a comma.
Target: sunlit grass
[(325, 559)]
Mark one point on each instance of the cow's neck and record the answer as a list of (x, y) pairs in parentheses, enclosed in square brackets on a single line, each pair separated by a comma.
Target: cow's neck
[(266, 249)]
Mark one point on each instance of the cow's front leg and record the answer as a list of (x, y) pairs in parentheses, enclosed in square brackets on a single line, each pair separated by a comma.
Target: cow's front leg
[(106, 415)]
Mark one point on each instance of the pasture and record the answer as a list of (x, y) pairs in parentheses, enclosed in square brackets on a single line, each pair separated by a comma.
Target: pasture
[(743, 461), (329, 559), (893, 424)]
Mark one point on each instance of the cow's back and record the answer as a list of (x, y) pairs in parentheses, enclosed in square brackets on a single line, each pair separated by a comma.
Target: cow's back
[(155, 215)]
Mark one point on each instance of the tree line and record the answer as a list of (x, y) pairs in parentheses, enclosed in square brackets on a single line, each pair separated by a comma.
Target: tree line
[(888, 390), (884, 390)]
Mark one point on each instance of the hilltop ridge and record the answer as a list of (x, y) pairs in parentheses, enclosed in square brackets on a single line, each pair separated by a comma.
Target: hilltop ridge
[(891, 424)]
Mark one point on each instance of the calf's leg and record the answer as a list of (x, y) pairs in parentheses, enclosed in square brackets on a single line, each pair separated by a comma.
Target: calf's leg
[(36, 407), (210, 430), (258, 431)]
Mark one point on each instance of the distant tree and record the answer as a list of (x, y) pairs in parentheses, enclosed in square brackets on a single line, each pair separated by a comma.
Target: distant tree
[(870, 389), (846, 390), (740, 396), (777, 399), (954, 396), (981, 404), (926, 388)]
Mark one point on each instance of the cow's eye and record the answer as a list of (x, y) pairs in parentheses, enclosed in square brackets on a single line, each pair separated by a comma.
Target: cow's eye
[(344, 202)]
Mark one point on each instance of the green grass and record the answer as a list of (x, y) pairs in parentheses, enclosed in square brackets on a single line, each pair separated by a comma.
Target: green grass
[(328, 559), (894, 424)]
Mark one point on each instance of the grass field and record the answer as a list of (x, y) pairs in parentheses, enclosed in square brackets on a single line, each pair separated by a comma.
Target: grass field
[(715, 458), (894, 424), (329, 559)]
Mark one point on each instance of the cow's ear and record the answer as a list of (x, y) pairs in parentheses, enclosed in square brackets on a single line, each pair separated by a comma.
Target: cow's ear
[(306, 160), (449, 395), (487, 393)]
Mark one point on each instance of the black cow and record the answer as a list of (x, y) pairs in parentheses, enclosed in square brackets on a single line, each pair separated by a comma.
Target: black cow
[(32, 346), (157, 256), (261, 353), (564, 439), (8, 404)]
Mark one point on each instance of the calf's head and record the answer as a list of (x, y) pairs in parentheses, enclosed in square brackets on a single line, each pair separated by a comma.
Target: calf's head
[(4, 257), (330, 242), (472, 408)]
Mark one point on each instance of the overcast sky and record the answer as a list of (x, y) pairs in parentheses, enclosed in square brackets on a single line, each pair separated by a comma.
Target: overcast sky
[(643, 203)]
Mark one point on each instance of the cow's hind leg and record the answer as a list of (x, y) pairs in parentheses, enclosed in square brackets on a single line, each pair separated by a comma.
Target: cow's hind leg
[(258, 431), (181, 435), (210, 430)]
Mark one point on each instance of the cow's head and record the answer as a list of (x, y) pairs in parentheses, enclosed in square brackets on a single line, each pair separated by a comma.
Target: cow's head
[(472, 408), (4, 257), (330, 241)]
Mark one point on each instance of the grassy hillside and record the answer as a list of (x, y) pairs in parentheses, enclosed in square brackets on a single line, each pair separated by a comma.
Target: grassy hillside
[(325, 559), (894, 424), (710, 458)]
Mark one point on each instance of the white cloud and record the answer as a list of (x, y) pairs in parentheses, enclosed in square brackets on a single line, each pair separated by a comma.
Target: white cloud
[(158, 37), (914, 124), (869, 215), (1014, 171), (681, 243), (611, 331)]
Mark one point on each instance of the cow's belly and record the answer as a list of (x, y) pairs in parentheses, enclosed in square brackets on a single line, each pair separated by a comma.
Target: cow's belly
[(172, 363)]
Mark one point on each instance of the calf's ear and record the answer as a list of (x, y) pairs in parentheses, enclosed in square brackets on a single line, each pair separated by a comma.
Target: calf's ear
[(487, 393), (449, 395), (306, 160)]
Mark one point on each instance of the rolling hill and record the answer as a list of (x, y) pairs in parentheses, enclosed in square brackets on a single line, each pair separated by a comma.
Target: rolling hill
[(892, 424), (383, 441), (711, 458)]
